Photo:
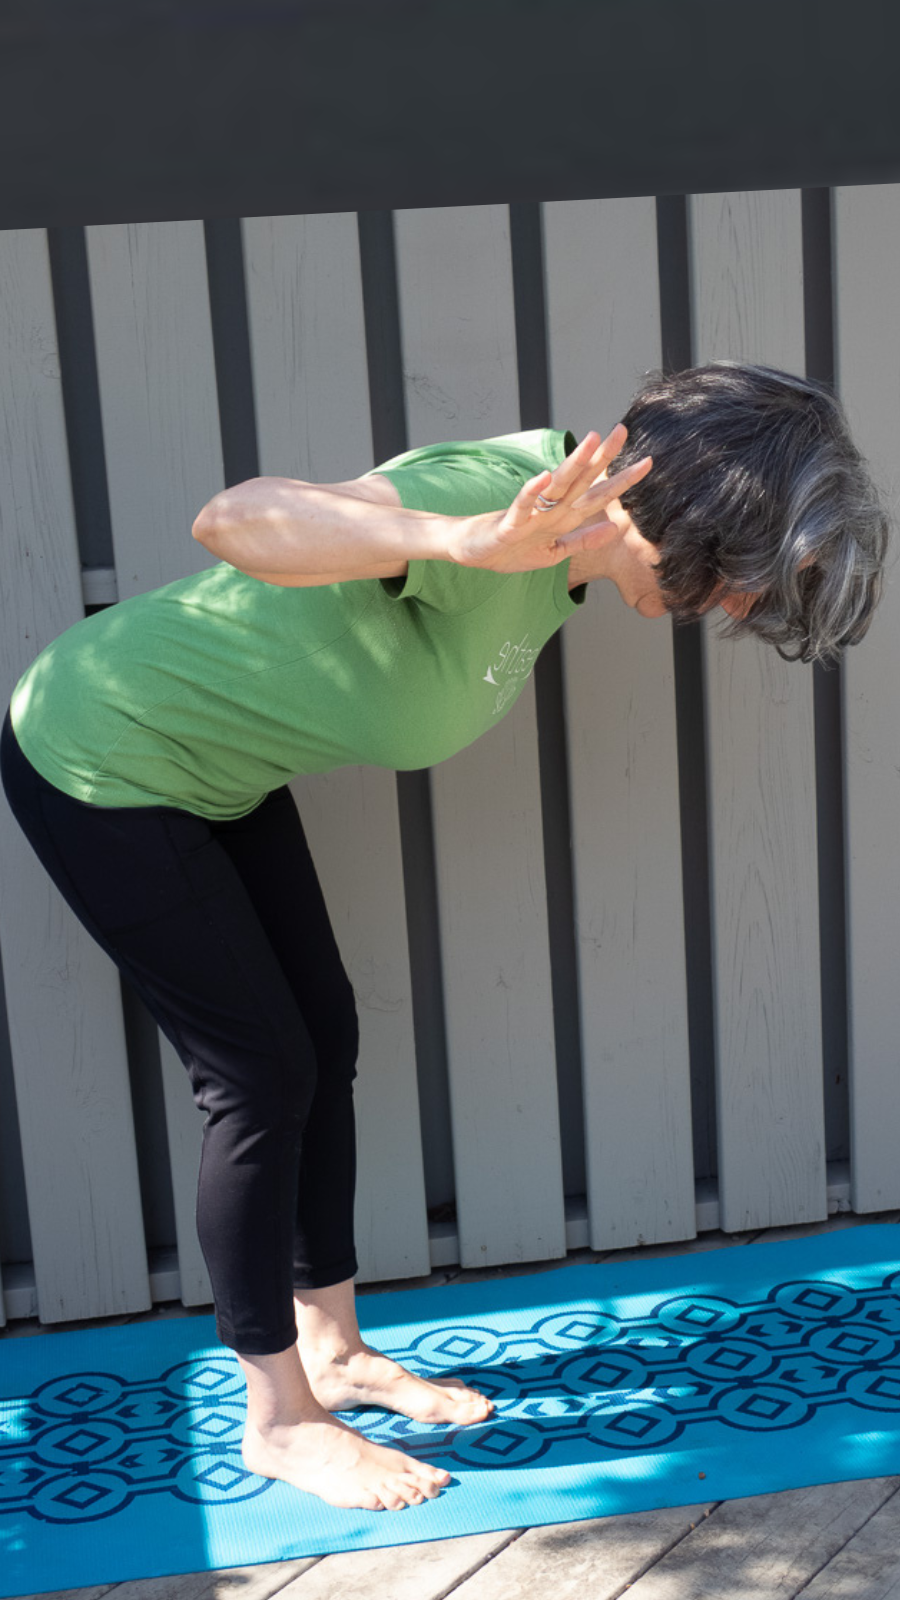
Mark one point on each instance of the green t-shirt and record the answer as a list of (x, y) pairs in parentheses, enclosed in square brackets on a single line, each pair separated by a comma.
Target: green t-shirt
[(211, 691)]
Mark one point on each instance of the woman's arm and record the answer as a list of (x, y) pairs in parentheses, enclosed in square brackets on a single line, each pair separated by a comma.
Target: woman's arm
[(287, 532), (296, 534)]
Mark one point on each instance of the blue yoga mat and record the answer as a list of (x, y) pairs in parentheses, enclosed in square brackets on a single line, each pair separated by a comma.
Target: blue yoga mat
[(618, 1387)]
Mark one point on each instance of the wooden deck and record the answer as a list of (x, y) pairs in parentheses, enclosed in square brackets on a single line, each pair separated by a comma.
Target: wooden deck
[(840, 1541)]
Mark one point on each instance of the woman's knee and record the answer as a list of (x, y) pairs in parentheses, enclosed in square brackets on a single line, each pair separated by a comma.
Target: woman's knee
[(260, 1082), (337, 1042)]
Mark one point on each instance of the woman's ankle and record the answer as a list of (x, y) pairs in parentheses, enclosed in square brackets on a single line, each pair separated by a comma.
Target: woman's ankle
[(326, 1321), (278, 1392)]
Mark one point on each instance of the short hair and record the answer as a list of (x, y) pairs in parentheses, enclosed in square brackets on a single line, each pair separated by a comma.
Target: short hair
[(757, 486)]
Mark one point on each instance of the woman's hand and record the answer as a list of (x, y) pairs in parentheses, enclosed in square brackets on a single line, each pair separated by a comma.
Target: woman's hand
[(526, 537)]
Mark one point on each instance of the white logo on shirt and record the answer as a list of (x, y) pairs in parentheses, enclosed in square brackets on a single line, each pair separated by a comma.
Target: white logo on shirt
[(513, 664)]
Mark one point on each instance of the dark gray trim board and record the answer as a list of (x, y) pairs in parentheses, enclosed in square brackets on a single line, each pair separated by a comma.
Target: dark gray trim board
[(171, 109)]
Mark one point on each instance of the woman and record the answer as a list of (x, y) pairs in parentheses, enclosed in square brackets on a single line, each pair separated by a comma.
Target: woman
[(146, 753)]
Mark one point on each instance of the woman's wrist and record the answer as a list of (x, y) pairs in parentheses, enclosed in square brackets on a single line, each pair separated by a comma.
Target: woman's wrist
[(433, 538), (460, 534)]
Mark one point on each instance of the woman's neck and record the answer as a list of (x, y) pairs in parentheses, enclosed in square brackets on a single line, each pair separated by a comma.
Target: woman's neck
[(585, 565)]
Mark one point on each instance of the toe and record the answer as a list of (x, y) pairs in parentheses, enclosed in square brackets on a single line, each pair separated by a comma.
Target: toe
[(471, 1397), (429, 1479), (393, 1499)]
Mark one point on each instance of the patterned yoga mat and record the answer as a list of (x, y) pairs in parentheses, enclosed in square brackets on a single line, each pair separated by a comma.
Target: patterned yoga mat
[(618, 1387)]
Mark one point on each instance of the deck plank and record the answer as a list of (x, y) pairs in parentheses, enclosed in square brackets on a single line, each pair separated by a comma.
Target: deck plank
[(868, 1567), (94, 1593), (599, 1557), (425, 1571), (836, 1224), (251, 1583), (766, 1545)]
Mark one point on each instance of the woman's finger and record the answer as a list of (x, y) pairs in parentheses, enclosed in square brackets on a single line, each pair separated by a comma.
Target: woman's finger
[(606, 451), (566, 479), (612, 444), (535, 486), (628, 477), (600, 494), (586, 537), (585, 463)]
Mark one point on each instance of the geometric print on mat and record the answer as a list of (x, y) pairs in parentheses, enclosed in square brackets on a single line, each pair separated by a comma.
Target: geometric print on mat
[(87, 1444)]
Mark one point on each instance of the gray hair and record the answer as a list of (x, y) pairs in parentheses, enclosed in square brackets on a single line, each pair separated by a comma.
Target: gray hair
[(758, 488)]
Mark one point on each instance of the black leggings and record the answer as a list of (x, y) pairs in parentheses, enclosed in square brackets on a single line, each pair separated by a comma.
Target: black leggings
[(221, 929)]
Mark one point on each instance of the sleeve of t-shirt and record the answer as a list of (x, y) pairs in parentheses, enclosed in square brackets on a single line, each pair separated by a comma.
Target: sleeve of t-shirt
[(461, 479)]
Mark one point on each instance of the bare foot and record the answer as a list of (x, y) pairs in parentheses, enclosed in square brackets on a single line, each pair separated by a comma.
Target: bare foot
[(326, 1458), (364, 1377)]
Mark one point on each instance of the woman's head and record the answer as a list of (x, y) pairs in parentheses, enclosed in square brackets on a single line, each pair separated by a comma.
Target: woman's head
[(757, 489)]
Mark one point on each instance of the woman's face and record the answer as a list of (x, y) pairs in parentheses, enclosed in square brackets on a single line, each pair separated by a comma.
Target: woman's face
[(632, 569), (634, 573)]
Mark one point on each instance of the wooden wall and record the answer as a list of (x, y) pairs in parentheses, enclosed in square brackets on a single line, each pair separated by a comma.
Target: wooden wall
[(626, 967)]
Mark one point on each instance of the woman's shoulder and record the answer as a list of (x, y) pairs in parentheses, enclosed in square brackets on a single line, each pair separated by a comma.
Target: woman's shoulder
[(462, 477)]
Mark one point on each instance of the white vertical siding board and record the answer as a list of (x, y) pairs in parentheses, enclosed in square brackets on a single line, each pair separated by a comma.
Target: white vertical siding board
[(602, 295), (630, 925), (308, 346), (603, 313), (184, 1136), (770, 1107), (63, 998), (459, 362), (503, 1095), (157, 395), (867, 326), (159, 408), (313, 421), (747, 290), (352, 824), (458, 323)]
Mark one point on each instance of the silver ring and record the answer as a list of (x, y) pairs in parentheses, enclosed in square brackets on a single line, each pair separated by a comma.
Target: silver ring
[(545, 505)]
